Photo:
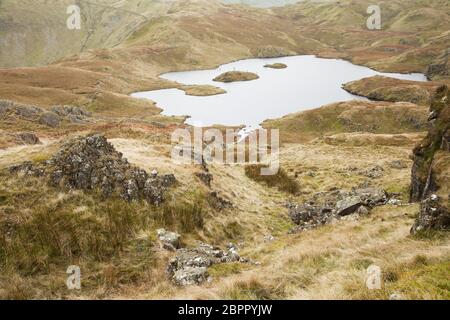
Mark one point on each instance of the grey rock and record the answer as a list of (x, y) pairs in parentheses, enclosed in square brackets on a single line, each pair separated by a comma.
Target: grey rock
[(28, 138), (362, 211), (348, 206), (50, 119), (432, 216), (396, 296), (333, 205), (27, 112), (169, 240), (398, 164), (374, 173), (91, 162), (190, 276), (5, 107), (371, 197), (188, 263), (77, 113)]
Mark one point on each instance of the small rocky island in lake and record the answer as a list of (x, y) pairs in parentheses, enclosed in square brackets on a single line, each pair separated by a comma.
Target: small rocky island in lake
[(202, 90), (232, 76), (276, 66)]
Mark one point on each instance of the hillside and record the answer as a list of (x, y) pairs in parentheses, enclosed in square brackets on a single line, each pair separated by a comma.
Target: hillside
[(87, 176)]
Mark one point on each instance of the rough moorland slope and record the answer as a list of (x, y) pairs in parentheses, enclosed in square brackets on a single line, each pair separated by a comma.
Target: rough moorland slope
[(201, 34)]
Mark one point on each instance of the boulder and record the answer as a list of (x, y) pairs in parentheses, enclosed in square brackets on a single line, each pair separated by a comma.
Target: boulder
[(50, 119), (169, 240), (308, 216), (374, 173), (28, 138), (398, 164), (72, 113), (190, 276), (189, 266), (348, 205), (371, 197)]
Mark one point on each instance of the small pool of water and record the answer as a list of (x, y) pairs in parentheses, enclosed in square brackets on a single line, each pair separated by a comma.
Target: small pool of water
[(308, 82)]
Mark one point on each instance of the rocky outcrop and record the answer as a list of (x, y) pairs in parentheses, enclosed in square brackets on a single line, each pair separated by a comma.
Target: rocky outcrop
[(72, 113), (323, 208), (430, 176), (92, 163), (52, 118), (423, 183), (432, 216), (189, 266)]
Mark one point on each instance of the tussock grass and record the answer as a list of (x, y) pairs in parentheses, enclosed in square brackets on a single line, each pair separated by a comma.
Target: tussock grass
[(252, 289), (185, 217), (43, 231), (281, 180)]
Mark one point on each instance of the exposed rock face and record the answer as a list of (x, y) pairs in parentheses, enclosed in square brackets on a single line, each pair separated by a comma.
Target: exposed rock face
[(189, 266), (51, 118), (431, 168), (323, 208), (423, 182), (92, 163), (432, 216)]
